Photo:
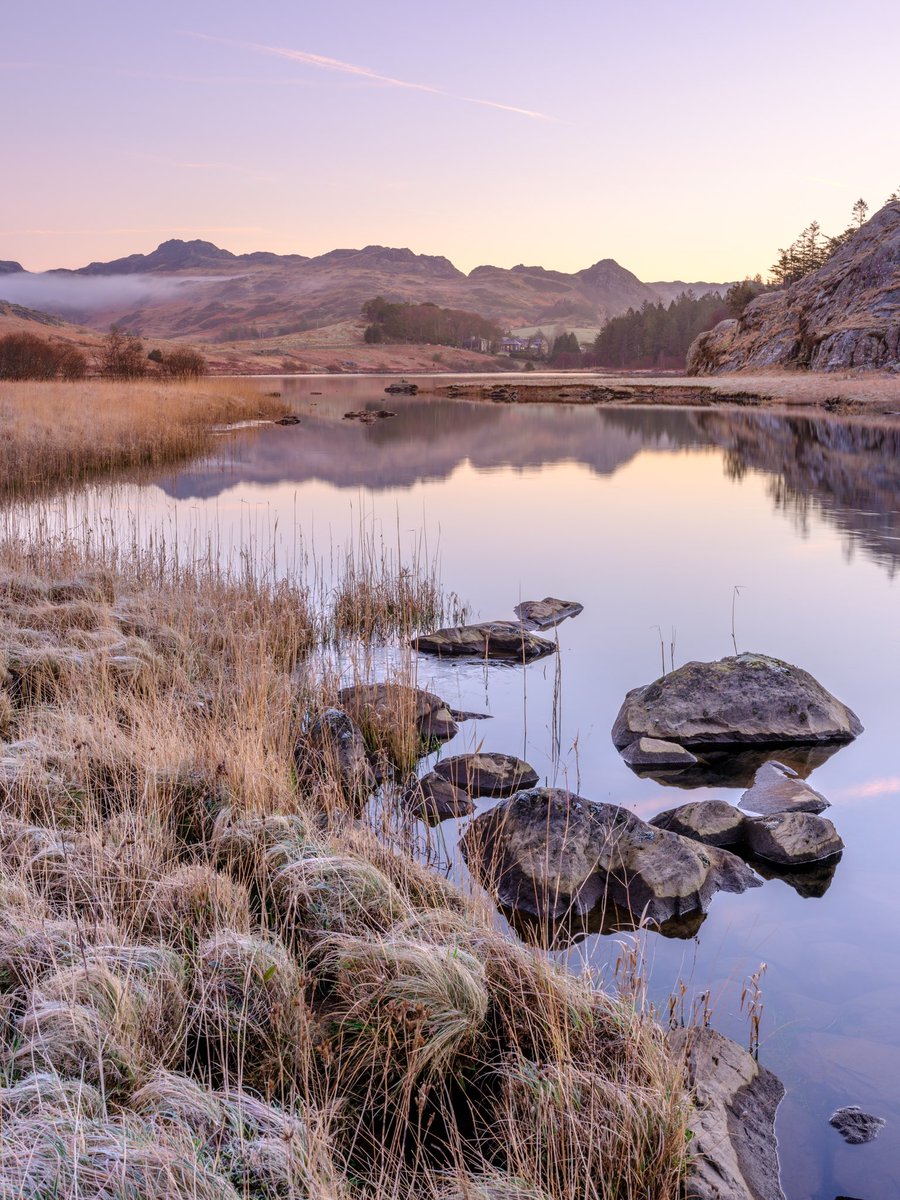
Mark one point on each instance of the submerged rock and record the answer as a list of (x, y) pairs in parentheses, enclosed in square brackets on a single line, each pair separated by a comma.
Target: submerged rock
[(490, 639), (778, 789), (747, 698), (544, 614), (436, 799), (335, 747), (792, 838), (736, 766), (548, 852), (713, 822), (733, 1150), (855, 1126), (651, 752), (486, 774)]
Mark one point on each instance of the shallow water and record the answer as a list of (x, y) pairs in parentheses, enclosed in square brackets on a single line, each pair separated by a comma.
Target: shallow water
[(650, 518)]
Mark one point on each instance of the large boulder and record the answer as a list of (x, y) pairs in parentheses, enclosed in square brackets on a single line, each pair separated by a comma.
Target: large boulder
[(733, 1148), (508, 640), (487, 774), (778, 789), (549, 852), (792, 839), (713, 822), (844, 315), (546, 613), (740, 700)]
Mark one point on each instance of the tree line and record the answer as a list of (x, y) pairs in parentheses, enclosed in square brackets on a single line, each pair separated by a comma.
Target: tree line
[(120, 356), (812, 248), (425, 323), (656, 335)]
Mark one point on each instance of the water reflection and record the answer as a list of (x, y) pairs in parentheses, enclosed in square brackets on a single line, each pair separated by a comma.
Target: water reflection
[(737, 769)]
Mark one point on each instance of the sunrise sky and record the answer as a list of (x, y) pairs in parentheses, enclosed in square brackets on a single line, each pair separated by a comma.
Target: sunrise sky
[(687, 141)]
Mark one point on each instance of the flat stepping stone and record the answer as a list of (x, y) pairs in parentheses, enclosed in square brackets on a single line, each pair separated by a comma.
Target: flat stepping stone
[(653, 752), (713, 822), (491, 775), (435, 799), (507, 640), (855, 1126), (778, 789), (546, 613), (792, 838)]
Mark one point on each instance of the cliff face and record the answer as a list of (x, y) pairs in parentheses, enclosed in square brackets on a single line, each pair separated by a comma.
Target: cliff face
[(846, 314)]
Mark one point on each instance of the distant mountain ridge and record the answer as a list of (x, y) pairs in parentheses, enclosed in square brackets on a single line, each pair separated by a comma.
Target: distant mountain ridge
[(197, 289)]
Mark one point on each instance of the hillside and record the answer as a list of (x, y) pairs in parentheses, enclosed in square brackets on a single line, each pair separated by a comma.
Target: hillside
[(198, 290), (844, 315)]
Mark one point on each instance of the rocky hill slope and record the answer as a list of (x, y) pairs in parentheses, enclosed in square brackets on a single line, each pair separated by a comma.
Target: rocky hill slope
[(196, 289), (846, 314)]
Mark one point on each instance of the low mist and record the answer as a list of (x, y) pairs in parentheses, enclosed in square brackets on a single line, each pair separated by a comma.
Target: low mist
[(74, 295)]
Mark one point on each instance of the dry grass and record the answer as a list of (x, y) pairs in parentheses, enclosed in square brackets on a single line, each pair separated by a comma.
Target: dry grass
[(58, 432), (216, 981)]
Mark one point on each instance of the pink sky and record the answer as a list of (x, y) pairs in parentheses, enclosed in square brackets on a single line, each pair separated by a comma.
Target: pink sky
[(687, 141)]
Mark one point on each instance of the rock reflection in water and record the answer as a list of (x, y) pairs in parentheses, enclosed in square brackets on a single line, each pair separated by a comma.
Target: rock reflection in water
[(561, 933), (737, 769), (811, 882)]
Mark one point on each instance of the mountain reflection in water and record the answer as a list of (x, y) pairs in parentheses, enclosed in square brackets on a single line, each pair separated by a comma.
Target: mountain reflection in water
[(847, 470)]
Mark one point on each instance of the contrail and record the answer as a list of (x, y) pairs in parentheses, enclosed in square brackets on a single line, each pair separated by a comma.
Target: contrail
[(323, 63)]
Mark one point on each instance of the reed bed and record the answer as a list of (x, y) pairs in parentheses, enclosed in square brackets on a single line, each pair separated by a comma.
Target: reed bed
[(217, 979), (52, 432)]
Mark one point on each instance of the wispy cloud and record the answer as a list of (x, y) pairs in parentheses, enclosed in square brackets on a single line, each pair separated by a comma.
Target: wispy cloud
[(324, 63)]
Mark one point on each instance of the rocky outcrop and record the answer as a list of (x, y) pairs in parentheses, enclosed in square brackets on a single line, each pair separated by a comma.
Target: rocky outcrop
[(551, 853), (508, 640), (846, 314), (745, 699), (734, 1151), (378, 708), (778, 789), (485, 774)]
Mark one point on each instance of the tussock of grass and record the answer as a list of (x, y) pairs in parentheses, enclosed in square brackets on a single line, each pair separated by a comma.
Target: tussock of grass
[(217, 981)]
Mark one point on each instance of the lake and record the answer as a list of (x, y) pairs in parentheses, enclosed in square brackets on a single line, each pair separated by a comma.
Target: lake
[(651, 518)]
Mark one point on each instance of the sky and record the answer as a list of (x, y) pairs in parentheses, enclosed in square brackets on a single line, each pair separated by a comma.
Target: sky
[(687, 141)]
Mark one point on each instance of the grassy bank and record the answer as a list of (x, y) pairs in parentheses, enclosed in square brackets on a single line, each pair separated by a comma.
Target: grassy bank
[(215, 979), (60, 432)]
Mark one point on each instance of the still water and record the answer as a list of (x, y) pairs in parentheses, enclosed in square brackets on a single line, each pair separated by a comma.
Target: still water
[(651, 518)]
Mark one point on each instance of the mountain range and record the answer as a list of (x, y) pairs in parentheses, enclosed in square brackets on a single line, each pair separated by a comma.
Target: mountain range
[(199, 290)]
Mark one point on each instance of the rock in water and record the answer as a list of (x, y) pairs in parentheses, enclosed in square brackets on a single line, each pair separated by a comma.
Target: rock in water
[(484, 774), (747, 698), (713, 822), (379, 707), (778, 789), (845, 314), (855, 1126), (733, 1151), (792, 838), (549, 852), (651, 752), (436, 799), (491, 639), (335, 747), (544, 614)]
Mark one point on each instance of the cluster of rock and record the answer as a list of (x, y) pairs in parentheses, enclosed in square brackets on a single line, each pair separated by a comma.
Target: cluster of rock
[(368, 416), (510, 641), (846, 314)]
